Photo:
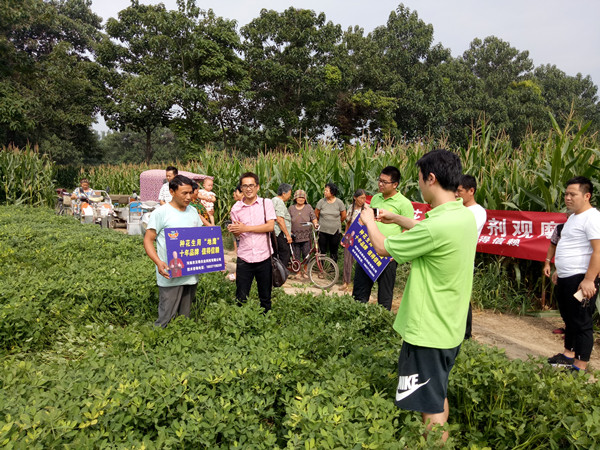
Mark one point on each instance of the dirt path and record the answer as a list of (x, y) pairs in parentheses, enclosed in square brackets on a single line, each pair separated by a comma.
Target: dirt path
[(519, 336)]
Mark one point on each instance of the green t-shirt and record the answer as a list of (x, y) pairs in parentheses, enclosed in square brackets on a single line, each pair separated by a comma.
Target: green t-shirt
[(281, 211), (434, 307), (398, 204)]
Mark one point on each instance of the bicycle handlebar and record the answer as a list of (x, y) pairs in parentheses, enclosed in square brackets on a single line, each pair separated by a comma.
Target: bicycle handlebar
[(308, 224)]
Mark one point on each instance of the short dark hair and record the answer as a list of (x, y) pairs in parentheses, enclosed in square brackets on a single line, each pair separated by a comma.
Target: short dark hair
[(238, 188), (585, 184), (332, 188), (172, 169), (468, 182), (283, 188), (249, 175), (179, 180), (444, 165), (392, 172), (194, 185)]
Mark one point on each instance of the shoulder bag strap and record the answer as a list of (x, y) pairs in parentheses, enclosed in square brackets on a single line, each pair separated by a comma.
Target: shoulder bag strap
[(271, 233)]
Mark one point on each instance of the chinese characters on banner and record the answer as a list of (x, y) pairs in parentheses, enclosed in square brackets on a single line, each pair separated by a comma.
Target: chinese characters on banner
[(194, 250), (519, 234), (357, 241)]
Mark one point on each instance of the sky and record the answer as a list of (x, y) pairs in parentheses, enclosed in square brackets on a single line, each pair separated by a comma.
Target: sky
[(560, 32)]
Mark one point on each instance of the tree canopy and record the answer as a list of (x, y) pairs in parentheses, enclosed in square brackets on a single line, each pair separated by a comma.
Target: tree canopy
[(283, 78), (50, 86)]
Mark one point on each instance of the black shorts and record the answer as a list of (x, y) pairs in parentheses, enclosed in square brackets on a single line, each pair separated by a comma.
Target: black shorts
[(423, 377)]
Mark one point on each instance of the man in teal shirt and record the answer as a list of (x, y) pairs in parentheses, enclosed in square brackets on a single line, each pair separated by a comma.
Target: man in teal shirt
[(175, 293), (433, 311), (391, 200)]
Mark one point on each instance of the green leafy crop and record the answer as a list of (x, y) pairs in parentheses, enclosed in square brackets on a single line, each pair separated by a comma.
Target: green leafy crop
[(82, 366)]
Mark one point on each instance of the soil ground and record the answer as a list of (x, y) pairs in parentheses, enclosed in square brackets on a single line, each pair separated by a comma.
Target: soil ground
[(519, 336)]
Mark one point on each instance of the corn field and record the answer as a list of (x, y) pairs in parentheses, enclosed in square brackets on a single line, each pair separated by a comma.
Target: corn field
[(531, 177), (26, 177)]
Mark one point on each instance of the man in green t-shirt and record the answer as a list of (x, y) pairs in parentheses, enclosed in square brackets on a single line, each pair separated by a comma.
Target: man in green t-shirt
[(433, 311), (391, 200)]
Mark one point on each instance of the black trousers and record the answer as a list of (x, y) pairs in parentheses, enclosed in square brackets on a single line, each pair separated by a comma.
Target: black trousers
[(246, 272), (330, 243), (579, 328), (469, 328), (283, 249), (386, 281)]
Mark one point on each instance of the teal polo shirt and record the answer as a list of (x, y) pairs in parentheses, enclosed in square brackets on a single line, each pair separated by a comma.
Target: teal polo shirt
[(434, 306), (398, 204)]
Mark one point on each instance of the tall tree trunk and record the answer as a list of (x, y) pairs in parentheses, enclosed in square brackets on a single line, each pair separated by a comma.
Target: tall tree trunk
[(148, 146)]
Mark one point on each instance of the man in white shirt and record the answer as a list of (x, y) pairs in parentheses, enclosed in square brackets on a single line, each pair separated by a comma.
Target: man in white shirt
[(466, 190), (577, 264), (164, 196)]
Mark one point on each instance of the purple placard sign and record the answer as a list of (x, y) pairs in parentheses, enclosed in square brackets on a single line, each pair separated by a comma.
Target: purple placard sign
[(357, 241), (194, 250)]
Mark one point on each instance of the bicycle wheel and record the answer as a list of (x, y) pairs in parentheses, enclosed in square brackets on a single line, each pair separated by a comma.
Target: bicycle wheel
[(323, 271), (59, 207), (295, 265)]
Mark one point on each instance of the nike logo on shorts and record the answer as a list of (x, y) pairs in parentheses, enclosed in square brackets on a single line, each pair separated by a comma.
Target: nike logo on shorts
[(407, 385)]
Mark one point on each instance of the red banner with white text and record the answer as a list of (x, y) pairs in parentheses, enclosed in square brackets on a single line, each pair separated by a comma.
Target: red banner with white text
[(520, 234)]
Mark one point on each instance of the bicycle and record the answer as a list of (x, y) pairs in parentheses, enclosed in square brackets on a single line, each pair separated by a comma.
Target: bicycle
[(323, 271), (59, 205)]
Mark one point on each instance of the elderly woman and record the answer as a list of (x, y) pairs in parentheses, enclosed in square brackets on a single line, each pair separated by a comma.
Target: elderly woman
[(83, 191), (300, 212), (358, 204), (330, 212)]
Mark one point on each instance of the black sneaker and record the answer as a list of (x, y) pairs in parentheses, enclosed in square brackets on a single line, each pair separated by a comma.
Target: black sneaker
[(560, 360)]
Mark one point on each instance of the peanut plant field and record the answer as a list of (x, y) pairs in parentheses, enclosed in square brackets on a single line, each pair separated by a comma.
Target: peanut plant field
[(81, 365)]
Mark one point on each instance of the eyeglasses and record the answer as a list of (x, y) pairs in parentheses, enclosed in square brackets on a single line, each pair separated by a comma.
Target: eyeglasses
[(248, 186), (380, 181)]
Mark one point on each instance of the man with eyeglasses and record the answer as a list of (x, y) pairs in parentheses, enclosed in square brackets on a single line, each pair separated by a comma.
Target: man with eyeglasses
[(389, 199), (252, 219)]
